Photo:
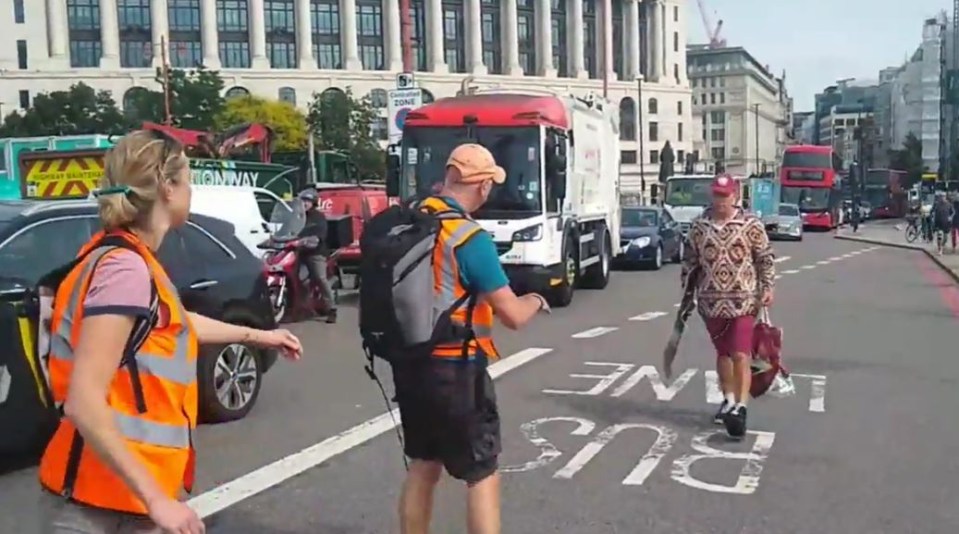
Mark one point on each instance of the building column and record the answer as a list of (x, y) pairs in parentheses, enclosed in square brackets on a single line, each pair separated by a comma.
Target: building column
[(209, 34), (58, 31), (577, 39), (435, 41), (474, 30), (159, 32), (109, 36), (351, 53), (605, 26), (304, 36), (258, 58), (544, 30), (631, 26), (394, 47), (655, 32), (510, 43)]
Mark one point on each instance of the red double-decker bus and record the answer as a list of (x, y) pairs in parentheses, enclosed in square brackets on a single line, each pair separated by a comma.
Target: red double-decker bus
[(810, 178), (882, 188)]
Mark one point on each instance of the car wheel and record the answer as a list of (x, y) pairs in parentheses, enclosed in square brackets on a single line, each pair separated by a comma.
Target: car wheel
[(230, 377), (680, 251), (657, 262)]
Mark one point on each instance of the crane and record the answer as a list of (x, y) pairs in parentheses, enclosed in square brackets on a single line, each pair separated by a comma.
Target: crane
[(715, 41)]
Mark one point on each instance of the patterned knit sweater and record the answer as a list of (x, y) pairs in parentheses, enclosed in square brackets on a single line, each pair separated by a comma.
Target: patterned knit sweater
[(736, 264)]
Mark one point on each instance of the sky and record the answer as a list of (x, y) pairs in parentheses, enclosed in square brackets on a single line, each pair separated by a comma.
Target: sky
[(819, 41)]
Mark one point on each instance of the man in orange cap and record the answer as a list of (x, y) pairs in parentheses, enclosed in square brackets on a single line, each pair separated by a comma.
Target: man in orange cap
[(447, 405)]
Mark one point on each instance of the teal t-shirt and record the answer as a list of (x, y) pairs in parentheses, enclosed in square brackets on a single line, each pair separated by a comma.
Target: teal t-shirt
[(478, 261)]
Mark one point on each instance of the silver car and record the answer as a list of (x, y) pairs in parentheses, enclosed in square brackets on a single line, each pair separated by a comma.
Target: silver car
[(789, 223)]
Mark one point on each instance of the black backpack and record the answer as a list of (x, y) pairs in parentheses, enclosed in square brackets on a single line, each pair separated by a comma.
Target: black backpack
[(397, 320)]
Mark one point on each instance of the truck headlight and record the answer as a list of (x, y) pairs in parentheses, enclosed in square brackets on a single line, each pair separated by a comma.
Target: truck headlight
[(532, 233), (640, 242)]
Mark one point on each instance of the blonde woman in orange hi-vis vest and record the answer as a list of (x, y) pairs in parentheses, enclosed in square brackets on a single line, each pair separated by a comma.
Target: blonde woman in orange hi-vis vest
[(123, 353)]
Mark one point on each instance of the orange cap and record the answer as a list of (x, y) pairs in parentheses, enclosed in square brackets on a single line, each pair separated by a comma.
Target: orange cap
[(475, 164)]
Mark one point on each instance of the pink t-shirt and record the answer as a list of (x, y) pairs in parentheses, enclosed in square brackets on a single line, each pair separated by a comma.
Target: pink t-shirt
[(120, 285)]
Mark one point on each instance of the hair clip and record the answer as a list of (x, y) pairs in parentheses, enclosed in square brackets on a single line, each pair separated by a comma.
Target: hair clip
[(114, 190)]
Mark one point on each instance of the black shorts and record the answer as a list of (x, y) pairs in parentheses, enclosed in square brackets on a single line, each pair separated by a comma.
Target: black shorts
[(449, 415)]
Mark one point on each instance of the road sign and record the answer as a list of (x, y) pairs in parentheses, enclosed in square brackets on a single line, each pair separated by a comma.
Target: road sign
[(405, 80), (401, 101)]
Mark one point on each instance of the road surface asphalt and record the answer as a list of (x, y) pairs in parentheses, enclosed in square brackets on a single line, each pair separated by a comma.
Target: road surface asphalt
[(866, 445)]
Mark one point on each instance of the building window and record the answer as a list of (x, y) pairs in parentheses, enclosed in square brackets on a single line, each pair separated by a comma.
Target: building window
[(325, 22), (136, 39), (675, 41), (280, 33), (679, 132), (680, 156), (287, 94), (654, 156), (526, 30), (718, 153), (712, 98), (619, 64), (186, 48), (236, 92), (676, 71), (627, 119), (369, 34), (454, 35), (24, 99), (22, 54), (589, 38), (379, 99), (83, 28), (627, 156), (675, 13), (418, 13), (679, 107), (653, 106), (18, 14), (232, 24), (654, 131), (492, 37), (717, 135), (722, 98), (558, 34), (717, 117)]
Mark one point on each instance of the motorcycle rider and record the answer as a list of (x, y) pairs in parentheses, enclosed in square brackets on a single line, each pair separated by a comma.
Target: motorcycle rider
[(316, 259)]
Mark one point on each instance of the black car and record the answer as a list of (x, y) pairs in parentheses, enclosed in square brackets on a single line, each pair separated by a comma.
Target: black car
[(649, 236), (214, 273)]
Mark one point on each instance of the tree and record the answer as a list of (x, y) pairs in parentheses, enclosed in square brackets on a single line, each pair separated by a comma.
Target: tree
[(341, 122), (286, 121), (77, 111), (908, 159), (196, 98)]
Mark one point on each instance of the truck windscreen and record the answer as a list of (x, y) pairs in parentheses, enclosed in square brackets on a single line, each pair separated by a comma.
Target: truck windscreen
[(517, 150), (688, 192)]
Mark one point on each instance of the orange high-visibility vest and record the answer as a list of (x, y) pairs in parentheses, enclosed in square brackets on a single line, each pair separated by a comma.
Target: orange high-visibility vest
[(153, 398), (447, 288)]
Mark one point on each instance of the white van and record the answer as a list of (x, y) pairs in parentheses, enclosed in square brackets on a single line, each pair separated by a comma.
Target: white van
[(244, 207)]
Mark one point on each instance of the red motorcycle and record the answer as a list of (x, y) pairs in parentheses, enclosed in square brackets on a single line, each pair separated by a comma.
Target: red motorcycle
[(292, 294)]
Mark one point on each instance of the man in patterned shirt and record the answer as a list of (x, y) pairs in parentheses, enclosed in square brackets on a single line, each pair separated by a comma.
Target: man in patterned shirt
[(735, 278)]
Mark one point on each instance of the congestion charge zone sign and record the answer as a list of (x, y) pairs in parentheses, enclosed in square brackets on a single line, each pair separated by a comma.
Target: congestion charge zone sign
[(401, 101)]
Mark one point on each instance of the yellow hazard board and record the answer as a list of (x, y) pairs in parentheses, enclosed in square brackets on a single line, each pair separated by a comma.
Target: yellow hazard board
[(63, 177)]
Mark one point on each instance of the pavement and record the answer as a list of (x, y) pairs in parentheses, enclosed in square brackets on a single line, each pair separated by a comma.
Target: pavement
[(595, 442), (892, 233)]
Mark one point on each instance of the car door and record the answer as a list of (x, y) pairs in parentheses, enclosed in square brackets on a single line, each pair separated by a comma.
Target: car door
[(668, 233), (195, 261), (42, 246)]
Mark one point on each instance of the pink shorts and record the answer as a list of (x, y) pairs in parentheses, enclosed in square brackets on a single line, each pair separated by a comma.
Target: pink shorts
[(731, 336)]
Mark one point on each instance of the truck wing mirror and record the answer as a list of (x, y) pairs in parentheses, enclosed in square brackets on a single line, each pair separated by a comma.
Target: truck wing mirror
[(392, 175)]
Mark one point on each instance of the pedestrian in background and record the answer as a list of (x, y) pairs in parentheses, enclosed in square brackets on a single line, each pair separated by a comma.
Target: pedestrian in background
[(447, 404), (123, 359), (955, 221), (941, 219), (730, 248)]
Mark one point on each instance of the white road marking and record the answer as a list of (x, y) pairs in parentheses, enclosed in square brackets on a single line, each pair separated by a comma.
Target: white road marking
[(547, 451), (778, 276), (791, 271), (846, 256), (264, 478), (595, 332), (714, 395), (808, 267), (663, 392), (817, 397), (822, 262), (604, 380), (782, 259), (748, 479), (649, 316), (664, 441), (678, 304), (835, 258)]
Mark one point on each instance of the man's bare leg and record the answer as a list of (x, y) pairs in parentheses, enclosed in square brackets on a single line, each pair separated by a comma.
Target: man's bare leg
[(416, 500), (483, 506)]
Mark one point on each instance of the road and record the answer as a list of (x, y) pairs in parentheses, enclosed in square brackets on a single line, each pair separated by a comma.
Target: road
[(866, 445)]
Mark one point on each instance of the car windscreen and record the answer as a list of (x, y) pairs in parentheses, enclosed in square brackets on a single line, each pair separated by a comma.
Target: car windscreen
[(788, 211), (639, 218)]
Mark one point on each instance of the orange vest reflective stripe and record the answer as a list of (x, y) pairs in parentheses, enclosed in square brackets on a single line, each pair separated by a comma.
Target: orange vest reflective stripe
[(161, 437), (447, 288)]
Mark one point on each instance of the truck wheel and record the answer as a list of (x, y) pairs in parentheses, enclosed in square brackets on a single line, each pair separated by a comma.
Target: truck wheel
[(597, 274), (562, 295)]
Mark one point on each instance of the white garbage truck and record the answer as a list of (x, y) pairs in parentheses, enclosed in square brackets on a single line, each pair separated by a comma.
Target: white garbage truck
[(555, 220)]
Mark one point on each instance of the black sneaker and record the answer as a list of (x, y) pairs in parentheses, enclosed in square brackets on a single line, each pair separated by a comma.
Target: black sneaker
[(721, 413), (735, 422), (331, 316)]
